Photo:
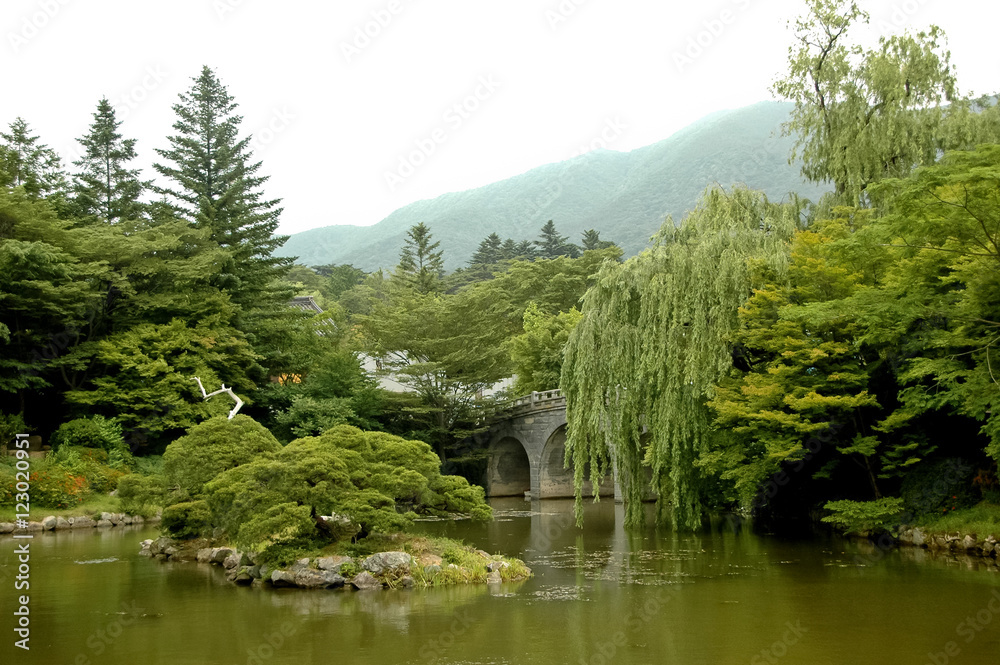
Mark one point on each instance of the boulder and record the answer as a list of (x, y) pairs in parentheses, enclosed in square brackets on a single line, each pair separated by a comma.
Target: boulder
[(407, 582), (32, 526), (243, 577), (169, 551), (49, 523), (384, 562), (126, 519), (144, 547), (138, 519), (332, 563), (6, 527), (919, 538), (159, 545), (497, 566), (969, 543), (431, 569), (220, 554), (364, 581), (235, 560), (103, 523), (254, 571), (204, 555), (317, 579), (62, 523), (282, 578), (82, 522), (300, 565), (112, 518), (494, 577)]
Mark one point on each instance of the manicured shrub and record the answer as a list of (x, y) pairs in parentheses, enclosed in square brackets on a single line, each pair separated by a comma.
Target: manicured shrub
[(187, 520)]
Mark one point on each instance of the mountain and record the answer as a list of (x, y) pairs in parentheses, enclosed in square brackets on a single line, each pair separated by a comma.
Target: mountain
[(625, 196)]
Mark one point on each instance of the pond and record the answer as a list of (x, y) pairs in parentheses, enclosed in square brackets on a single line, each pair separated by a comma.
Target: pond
[(599, 595)]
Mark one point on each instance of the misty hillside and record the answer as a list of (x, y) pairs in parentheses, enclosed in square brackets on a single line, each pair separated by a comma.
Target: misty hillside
[(625, 196)]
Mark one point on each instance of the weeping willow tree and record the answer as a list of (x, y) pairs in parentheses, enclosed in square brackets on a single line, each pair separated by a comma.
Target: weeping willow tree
[(653, 342)]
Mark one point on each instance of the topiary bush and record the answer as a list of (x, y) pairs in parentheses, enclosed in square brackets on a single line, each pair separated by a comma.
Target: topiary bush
[(96, 432), (939, 487), (190, 519), (142, 495), (53, 487), (214, 446)]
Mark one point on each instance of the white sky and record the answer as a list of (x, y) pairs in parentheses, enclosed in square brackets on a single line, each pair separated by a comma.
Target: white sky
[(331, 124)]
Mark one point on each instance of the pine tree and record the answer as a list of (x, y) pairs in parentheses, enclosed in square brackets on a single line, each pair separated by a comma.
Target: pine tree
[(104, 187), (489, 251), (24, 162), (216, 185), (551, 245), (592, 240), (420, 266)]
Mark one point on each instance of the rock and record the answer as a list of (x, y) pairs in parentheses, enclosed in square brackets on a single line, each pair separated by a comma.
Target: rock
[(49, 523), (385, 561), (969, 543), (483, 554), (497, 566), (364, 581), (332, 563), (6, 527), (282, 578), (906, 536), (126, 519), (104, 523), (254, 571), (33, 526), (144, 547), (220, 554), (83, 523), (300, 565), (318, 579), (919, 538), (265, 572), (431, 569), (235, 560), (159, 545), (204, 555), (407, 582), (243, 577), (113, 518), (494, 578), (430, 560), (62, 523), (169, 551), (138, 519)]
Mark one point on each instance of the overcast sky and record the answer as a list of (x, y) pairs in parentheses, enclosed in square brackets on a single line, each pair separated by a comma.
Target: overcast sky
[(360, 107)]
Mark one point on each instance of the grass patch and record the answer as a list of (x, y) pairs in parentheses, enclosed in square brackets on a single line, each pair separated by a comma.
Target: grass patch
[(93, 506), (982, 519)]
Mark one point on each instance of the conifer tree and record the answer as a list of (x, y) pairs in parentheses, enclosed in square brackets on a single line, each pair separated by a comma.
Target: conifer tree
[(217, 185), (489, 251), (104, 187), (420, 262), (551, 245), (24, 162)]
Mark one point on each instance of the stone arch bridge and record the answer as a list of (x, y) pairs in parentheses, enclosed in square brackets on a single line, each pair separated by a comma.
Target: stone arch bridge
[(527, 446)]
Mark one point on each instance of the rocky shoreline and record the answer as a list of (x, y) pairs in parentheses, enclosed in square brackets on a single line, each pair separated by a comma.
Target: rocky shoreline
[(383, 570), (52, 523), (971, 544)]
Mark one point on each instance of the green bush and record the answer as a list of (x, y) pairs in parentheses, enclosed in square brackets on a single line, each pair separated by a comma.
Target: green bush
[(187, 520), (214, 446), (142, 495), (97, 432), (935, 488), (858, 516), (92, 463), (10, 425)]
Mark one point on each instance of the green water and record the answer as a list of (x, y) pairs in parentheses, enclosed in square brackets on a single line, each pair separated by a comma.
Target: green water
[(598, 596)]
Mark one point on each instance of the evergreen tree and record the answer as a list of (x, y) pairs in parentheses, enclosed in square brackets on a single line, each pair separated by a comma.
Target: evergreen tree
[(489, 251), (551, 245), (104, 187), (524, 251), (592, 240), (508, 250), (420, 262), (24, 162), (218, 186)]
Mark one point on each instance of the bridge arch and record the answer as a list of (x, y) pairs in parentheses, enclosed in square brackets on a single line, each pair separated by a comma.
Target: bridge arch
[(509, 470)]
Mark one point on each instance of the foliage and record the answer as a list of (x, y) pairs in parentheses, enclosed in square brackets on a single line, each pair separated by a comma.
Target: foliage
[(141, 494), (95, 465), (863, 115), (654, 340), (187, 520), (362, 479), (214, 446), (54, 487), (858, 516), (537, 353), (938, 487), (421, 266), (26, 163), (551, 245)]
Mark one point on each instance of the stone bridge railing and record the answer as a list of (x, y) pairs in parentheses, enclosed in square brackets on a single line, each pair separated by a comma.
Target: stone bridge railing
[(536, 401)]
